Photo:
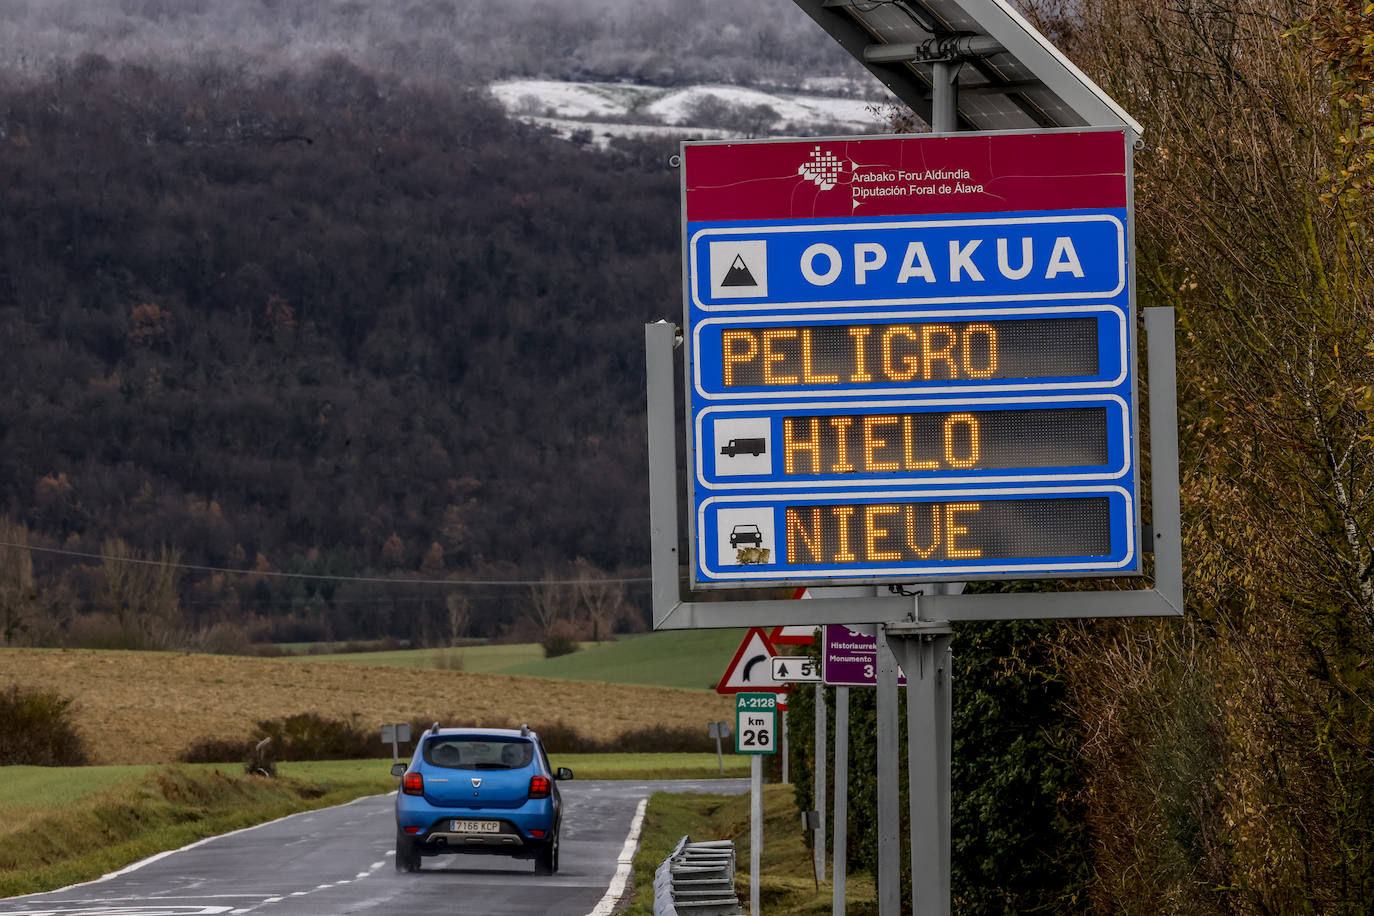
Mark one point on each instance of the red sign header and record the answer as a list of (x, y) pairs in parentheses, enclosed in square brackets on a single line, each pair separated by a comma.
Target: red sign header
[(902, 176)]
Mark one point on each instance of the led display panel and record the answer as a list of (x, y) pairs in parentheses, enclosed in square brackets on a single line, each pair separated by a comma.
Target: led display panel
[(903, 353), (910, 358)]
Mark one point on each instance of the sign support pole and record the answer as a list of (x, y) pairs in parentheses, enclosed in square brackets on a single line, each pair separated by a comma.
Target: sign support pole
[(889, 791), (755, 829), (818, 775), (925, 657), (944, 96), (782, 727), (840, 856)]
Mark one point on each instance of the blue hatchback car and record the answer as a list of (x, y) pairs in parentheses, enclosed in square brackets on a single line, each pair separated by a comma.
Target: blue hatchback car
[(482, 790)]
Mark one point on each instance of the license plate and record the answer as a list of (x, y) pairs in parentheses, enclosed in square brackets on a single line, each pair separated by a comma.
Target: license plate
[(476, 827)]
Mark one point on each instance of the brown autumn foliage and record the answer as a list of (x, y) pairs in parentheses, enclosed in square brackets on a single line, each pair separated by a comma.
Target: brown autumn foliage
[(1230, 755)]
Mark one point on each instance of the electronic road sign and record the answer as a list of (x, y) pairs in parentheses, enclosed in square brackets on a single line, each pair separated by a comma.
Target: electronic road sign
[(911, 358)]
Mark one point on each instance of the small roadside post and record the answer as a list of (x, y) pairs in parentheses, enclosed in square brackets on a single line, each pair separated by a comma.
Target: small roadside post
[(718, 730), (811, 822), (394, 734), (756, 720)]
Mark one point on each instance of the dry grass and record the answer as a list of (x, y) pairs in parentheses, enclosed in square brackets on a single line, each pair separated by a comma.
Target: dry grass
[(146, 707)]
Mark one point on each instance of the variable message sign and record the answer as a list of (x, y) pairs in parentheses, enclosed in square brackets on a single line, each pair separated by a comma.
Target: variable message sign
[(910, 359)]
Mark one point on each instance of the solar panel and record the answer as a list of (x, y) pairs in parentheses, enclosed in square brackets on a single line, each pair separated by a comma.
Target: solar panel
[(1007, 75)]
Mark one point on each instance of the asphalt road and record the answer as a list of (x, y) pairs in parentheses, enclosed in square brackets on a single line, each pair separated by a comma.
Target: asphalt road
[(340, 860)]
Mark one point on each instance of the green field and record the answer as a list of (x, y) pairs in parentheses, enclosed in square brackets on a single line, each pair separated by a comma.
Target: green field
[(693, 659)]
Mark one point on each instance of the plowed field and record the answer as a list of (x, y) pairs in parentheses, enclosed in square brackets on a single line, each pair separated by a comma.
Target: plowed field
[(146, 707)]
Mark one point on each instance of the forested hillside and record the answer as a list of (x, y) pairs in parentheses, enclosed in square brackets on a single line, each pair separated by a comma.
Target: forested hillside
[(321, 322), (447, 42)]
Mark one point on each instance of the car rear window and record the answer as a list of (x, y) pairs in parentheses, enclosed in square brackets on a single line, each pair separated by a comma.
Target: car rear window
[(478, 752)]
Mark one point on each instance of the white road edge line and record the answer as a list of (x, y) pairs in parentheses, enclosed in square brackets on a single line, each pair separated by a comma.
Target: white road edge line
[(135, 866), (625, 864)]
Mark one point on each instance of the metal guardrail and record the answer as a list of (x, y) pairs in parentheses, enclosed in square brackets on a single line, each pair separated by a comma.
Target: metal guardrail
[(697, 879)]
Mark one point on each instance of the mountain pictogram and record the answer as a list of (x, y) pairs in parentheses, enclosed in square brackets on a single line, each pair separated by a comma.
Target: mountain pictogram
[(738, 274)]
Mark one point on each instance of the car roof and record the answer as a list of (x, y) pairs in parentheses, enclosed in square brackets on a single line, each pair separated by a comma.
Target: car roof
[(481, 732)]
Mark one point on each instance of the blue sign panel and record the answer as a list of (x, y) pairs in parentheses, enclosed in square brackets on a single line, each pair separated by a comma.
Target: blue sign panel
[(897, 395), (1063, 257)]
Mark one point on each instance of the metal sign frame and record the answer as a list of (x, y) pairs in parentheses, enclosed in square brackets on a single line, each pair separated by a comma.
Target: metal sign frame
[(671, 611)]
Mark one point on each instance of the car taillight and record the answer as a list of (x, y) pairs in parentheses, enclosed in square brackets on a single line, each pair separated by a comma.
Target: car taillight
[(413, 784), (539, 787)]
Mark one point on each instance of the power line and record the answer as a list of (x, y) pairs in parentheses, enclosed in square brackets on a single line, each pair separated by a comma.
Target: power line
[(325, 576)]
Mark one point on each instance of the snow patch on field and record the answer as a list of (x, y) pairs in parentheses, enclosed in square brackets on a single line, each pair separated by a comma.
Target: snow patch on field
[(601, 133), (678, 107), (603, 111)]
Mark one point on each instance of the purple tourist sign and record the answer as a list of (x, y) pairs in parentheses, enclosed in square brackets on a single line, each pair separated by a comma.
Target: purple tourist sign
[(851, 659)]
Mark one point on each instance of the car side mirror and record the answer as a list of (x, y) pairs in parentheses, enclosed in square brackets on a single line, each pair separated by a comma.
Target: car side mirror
[(398, 769), (563, 773)]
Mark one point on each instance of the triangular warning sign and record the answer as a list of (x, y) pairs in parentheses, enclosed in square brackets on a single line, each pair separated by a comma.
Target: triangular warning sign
[(794, 635), (749, 670), (738, 274)]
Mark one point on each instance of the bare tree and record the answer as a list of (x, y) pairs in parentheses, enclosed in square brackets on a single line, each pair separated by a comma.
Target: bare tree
[(458, 609), (602, 600), (141, 592), (18, 597), (550, 601)]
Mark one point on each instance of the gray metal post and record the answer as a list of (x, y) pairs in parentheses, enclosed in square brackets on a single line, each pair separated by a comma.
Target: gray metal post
[(659, 340), (755, 829), (889, 791), (783, 749), (944, 96), (944, 748), (839, 858), (818, 778), (924, 658)]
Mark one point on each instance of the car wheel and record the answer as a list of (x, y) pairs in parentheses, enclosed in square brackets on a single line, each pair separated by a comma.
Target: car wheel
[(407, 853), (546, 857)]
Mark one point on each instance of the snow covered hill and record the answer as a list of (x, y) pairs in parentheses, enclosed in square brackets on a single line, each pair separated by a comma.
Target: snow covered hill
[(597, 112)]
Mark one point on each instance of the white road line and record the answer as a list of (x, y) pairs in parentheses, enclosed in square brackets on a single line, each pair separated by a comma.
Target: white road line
[(362, 874), (625, 864), (376, 865), (133, 867), (274, 900)]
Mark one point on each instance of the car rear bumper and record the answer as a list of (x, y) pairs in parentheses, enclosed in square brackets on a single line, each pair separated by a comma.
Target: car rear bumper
[(439, 838), (432, 825)]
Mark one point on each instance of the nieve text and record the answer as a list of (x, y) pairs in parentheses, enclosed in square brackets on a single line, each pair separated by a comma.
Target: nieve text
[(885, 532)]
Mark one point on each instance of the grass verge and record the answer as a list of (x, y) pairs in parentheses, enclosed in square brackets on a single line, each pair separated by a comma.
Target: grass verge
[(46, 846), (786, 884)]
